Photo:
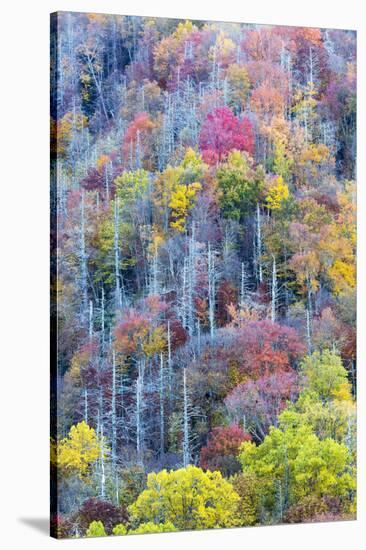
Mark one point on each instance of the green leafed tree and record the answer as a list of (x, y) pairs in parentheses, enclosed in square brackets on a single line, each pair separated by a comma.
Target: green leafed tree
[(294, 463), (131, 186), (326, 376), (240, 185), (96, 529), (335, 419)]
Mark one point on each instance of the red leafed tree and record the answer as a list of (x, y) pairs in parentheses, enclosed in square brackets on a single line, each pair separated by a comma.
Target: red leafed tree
[(264, 44), (136, 136), (259, 402), (257, 349), (178, 333), (222, 448), (129, 332), (267, 347), (137, 324), (94, 509), (222, 132), (94, 179)]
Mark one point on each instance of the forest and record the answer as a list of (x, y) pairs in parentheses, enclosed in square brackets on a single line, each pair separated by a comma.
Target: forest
[(203, 275)]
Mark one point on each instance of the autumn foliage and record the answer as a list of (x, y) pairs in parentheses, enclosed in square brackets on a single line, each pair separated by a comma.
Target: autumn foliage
[(95, 509), (222, 448), (203, 274), (221, 132)]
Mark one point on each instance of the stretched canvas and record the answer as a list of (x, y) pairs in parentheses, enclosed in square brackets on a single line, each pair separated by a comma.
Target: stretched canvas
[(202, 275)]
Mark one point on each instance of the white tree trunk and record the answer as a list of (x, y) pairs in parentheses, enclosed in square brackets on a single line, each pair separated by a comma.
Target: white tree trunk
[(90, 320), (198, 337), (184, 300), (242, 285), (139, 411), (102, 466), (191, 282), (114, 425), (103, 321), (211, 290), (186, 450), (154, 283), (116, 254), (86, 405), (259, 245), (90, 339), (100, 434), (106, 176), (308, 321), (169, 336), (274, 291), (311, 67), (161, 398), (83, 258)]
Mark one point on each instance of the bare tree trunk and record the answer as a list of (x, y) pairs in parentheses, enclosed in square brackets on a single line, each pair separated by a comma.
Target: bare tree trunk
[(86, 404), (83, 259), (169, 365), (90, 339), (186, 450), (114, 425), (90, 320), (308, 322), (161, 398), (106, 176), (103, 321), (139, 411), (290, 84), (191, 275), (122, 406), (102, 467), (154, 287), (311, 66), (116, 254), (184, 302), (98, 86), (100, 434), (243, 281), (259, 245), (211, 290), (274, 291)]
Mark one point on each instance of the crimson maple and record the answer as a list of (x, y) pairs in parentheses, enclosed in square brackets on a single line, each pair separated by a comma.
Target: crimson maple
[(221, 132)]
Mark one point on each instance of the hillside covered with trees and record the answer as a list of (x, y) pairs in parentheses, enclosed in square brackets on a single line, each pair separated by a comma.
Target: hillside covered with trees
[(203, 274)]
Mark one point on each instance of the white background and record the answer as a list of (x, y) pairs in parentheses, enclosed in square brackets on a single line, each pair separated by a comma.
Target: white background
[(24, 184)]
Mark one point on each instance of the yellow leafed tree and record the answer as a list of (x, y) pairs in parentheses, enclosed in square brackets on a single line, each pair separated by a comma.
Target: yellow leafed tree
[(277, 193), (77, 452), (181, 201), (189, 498)]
